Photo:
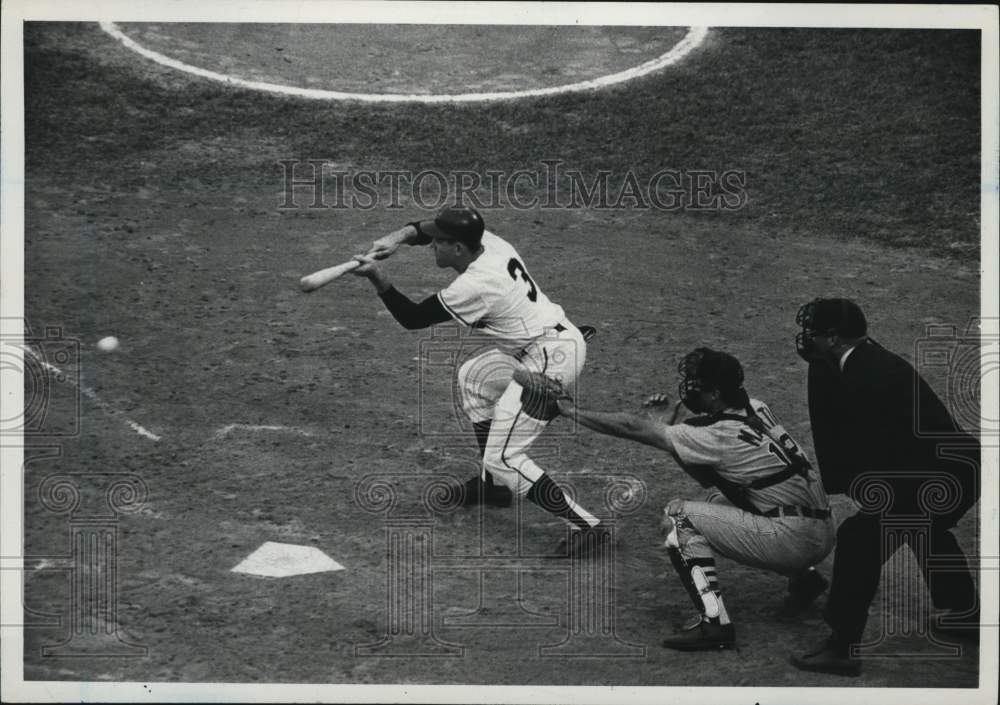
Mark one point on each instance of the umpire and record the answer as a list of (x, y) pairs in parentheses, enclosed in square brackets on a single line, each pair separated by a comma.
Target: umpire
[(877, 425)]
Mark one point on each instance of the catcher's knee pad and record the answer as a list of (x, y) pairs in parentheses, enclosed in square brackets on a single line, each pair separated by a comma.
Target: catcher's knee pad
[(672, 541), (674, 508), (673, 522)]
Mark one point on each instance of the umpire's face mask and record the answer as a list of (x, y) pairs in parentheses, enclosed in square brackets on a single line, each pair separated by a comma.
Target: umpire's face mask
[(812, 345), (805, 345), (806, 340)]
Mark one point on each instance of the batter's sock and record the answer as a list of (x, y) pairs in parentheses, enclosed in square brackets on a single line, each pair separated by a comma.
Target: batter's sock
[(482, 431), (550, 497)]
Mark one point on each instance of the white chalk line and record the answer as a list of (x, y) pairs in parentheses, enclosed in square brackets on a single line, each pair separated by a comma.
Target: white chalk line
[(694, 37), (92, 395), (146, 433), (254, 428)]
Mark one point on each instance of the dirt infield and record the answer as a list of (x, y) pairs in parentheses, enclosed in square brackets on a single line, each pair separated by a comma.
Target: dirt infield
[(154, 213)]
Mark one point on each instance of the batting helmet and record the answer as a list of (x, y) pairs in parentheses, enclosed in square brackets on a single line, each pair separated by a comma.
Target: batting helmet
[(460, 223)]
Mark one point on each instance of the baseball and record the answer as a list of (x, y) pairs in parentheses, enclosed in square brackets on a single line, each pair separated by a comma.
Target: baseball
[(107, 344)]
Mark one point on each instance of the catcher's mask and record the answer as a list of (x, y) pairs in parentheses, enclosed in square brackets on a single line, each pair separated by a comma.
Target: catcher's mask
[(841, 317), (704, 369)]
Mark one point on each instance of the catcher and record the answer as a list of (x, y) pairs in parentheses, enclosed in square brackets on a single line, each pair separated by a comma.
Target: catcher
[(766, 507)]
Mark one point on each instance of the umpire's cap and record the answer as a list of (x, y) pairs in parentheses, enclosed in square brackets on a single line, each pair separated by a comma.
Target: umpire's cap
[(460, 223), (840, 316)]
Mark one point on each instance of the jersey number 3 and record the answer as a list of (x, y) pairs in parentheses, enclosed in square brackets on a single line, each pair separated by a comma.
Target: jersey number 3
[(513, 269)]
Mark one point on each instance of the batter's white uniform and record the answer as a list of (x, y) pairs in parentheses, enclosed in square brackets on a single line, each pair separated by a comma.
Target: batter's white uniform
[(497, 296)]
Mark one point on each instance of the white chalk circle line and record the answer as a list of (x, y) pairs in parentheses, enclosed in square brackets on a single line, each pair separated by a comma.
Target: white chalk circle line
[(694, 37)]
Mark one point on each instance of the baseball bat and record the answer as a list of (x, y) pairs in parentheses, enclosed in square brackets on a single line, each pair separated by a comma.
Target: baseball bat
[(314, 281)]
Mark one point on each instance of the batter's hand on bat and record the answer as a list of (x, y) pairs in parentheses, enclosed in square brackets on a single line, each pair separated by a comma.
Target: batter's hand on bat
[(369, 268), (383, 248), (387, 246)]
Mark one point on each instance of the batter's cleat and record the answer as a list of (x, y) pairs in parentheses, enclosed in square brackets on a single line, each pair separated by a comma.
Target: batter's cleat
[(588, 332), (584, 543), (702, 636), (474, 491), (803, 590), (825, 658)]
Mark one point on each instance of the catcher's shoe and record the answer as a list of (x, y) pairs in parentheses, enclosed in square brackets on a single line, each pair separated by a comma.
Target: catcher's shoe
[(803, 590), (691, 623), (703, 636), (826, 658), (474, 491)]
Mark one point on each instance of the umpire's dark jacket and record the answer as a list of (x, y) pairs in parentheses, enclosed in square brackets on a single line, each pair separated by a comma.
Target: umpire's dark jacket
[(879, 415)]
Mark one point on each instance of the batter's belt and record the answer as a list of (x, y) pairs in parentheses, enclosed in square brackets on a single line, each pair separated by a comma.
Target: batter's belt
[(523, 352)]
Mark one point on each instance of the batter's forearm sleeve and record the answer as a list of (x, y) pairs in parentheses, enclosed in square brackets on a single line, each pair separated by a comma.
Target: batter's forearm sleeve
[(422, 237), (412, 315)]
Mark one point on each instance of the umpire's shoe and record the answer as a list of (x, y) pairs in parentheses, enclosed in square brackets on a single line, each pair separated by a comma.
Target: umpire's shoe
[(703, 636), (956, 624), (827, 657), (475, 491)]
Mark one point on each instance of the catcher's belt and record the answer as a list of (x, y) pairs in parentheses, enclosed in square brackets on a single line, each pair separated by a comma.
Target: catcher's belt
[(791, 510)]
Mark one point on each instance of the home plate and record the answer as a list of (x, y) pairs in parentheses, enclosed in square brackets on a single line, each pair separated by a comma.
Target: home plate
[(280, 560)]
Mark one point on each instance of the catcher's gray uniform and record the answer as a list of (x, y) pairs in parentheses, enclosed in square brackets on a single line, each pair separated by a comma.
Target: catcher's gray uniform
[(786, 536)]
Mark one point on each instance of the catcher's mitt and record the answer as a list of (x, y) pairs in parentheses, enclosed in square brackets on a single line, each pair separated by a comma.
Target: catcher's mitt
[(540, 396)]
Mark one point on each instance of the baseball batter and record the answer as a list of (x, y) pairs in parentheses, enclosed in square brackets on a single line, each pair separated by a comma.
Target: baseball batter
[(766, 507), (495, 294)]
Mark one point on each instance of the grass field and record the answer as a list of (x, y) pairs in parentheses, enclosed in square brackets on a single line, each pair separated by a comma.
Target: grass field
[(153, 213)]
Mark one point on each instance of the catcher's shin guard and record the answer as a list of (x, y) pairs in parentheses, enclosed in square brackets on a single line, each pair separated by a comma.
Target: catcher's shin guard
[(550, 497), (705, 602)]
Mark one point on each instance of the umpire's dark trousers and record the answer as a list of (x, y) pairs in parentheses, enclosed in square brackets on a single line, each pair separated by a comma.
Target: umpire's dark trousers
[(862, 550)]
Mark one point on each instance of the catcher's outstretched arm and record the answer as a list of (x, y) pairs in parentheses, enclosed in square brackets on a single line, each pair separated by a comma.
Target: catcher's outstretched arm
[(621, 425)]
